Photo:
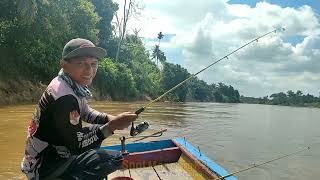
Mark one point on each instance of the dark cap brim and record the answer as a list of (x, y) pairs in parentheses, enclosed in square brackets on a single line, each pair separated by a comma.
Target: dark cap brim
[(96, 52)]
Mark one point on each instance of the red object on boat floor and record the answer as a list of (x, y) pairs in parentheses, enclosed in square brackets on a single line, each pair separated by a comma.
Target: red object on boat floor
[(122, 178)]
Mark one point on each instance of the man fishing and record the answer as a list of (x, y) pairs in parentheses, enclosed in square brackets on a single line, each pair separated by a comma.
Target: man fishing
[(57, 145)]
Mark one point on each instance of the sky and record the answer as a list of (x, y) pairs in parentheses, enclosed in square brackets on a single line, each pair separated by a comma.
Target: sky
[(196, 33)]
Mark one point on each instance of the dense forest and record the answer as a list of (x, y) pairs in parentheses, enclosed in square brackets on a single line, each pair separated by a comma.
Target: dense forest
[(287, 99), (32, 36)]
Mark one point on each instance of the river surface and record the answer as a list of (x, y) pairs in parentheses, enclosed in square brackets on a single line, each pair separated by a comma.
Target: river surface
[(233, 135)]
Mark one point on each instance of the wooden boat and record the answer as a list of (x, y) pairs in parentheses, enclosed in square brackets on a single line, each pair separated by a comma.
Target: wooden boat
[(166, 159)]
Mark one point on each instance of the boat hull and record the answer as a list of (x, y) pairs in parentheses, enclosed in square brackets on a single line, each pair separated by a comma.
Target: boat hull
[(167, 159)]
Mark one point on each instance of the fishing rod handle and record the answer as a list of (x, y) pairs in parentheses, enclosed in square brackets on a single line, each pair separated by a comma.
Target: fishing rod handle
[(139, 111)]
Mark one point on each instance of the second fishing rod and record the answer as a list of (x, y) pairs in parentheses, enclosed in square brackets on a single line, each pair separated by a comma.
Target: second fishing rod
[(141, 127)]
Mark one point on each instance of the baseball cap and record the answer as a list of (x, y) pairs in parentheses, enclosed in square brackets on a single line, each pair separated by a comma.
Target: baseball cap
[(82, 47)]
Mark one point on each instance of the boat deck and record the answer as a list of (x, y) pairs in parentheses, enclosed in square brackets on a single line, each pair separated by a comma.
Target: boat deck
[(163, 172)]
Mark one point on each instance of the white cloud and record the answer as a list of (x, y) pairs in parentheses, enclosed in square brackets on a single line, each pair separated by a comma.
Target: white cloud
[(209, 30)]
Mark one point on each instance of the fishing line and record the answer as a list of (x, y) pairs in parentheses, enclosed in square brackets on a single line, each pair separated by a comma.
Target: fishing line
[(263, 163), (133, 131), (155, 134)]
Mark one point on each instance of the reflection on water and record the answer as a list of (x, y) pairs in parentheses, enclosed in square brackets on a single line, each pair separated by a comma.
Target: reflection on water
[(234, 135)]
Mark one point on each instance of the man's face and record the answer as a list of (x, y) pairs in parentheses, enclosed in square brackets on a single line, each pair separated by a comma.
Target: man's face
[(82, 69)]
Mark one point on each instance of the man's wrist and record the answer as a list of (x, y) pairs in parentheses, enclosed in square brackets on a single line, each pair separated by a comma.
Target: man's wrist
[(109, 117), (107, 129)]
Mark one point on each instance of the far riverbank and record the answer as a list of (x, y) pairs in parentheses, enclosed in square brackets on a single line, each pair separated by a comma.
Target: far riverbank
[(18, 92)]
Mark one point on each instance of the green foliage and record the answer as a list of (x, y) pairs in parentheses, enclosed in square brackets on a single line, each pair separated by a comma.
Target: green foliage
[(158, 55), (317, 104), (36, 43), (106, 10), (195, 89), (172, 75), (288, 99), (228, 93), (146, 73), (199, 90), (116, 79)]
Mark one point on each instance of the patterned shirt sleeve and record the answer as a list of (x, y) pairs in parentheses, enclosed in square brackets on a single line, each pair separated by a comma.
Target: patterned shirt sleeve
[(93, 116)]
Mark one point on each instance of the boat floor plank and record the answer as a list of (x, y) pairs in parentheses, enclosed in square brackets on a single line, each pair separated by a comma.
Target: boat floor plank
[(165, 172), (121, 173), (144, 173), (172, 171)]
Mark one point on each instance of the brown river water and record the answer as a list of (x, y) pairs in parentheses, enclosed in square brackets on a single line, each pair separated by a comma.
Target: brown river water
[(233, 135)]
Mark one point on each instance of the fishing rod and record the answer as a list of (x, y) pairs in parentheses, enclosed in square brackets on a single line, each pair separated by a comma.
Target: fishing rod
[(263, 163), (134, 132)]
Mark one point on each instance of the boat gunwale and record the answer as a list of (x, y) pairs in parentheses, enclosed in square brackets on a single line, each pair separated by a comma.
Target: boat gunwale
[(203, 159), (198, 164)]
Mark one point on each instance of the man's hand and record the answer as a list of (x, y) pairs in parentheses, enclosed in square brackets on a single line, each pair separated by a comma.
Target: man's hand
[(122, 121), (119, 122)]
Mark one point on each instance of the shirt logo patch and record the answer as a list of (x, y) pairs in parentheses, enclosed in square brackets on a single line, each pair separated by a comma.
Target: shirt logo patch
[(34, 124), (32, 129), (74, 117)]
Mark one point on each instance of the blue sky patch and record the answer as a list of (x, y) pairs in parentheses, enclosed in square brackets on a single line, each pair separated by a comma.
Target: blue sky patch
[(174, 55), (294, 40)]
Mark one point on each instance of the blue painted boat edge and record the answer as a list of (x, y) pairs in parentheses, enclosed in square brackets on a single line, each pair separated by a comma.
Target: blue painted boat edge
[(203, 158), (143, 146)]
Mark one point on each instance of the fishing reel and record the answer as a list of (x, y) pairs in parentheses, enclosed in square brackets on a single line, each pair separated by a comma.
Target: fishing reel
[(135, 130), (139, 128)]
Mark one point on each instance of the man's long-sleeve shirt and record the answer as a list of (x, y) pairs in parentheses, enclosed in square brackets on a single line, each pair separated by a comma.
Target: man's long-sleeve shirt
[(55, 132)]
